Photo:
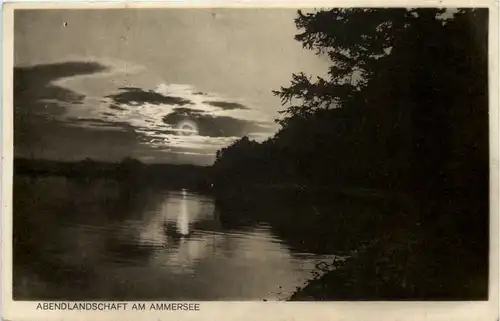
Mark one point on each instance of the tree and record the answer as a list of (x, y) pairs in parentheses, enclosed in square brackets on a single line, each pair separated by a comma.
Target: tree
[(404, 108), (404, 105), (407, 76)]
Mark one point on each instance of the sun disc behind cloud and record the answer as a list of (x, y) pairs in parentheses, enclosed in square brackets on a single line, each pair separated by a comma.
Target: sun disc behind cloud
[(187, 128)]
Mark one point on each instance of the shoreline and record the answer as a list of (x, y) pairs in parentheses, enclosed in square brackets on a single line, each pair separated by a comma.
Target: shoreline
[(399, 267)]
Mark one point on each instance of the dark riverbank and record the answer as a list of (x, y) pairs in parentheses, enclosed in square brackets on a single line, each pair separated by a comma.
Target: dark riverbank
[(413, 261)]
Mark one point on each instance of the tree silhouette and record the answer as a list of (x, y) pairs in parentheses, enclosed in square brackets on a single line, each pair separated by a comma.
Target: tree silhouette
[(414, 81), (404, 109), (404, 104)]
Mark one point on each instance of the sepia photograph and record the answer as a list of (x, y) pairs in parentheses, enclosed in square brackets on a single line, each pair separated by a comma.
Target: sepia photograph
[(251, 154)]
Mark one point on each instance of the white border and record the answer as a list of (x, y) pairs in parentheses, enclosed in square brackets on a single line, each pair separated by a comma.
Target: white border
[(274, 311)]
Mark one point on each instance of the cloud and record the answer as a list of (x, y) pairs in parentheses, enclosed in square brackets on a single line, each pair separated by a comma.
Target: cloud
[(226, 104), (138, 96), (39, 102), (178, 116), (95, 123), (115, 107), (112, 69), (212, 126), (173, 123), (49, 72), (35, 91)]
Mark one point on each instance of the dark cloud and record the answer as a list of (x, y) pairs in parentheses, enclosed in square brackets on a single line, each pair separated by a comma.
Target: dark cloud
[(96, 122), (184, 110), (130, 88), (226, 105), (49, 72), (165, 131), (35, 92), (131, 95), (37, 100), (214, 126), (115, 107)]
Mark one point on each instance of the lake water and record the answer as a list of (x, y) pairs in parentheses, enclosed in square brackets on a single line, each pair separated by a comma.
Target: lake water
[(107, 241)]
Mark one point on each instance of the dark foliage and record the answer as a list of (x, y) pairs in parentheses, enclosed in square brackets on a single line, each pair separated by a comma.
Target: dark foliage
[(405, 105), (404, 109)]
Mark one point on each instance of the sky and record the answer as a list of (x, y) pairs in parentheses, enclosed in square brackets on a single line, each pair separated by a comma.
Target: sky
[(158, 85)]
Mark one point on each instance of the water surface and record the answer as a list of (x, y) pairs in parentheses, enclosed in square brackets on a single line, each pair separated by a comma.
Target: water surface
[(102, 240)]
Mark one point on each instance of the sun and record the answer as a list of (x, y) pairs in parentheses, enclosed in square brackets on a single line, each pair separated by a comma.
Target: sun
[(187, 128)]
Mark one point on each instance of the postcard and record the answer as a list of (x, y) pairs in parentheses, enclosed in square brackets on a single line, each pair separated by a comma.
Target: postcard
[(265, 161)]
